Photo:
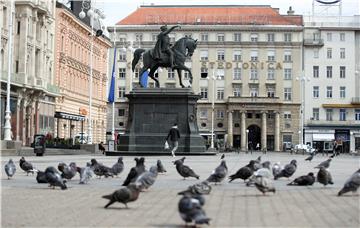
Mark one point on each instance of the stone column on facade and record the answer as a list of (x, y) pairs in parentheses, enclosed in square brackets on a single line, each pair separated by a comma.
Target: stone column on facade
[(18, 108), (230, 128), (277, 131), (263, 131), (243, 131)]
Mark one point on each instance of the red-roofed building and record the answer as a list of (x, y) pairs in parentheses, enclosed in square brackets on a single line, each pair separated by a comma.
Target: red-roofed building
[(255, 52)]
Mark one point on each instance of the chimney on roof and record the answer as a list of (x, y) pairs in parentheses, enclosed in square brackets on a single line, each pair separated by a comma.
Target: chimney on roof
[(290, 11)]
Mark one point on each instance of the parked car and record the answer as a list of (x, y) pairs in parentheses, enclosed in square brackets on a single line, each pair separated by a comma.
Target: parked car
[(81, 138), (303, 148)]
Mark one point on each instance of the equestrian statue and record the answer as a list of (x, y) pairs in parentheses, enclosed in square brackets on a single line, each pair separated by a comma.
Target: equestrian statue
[(166, 55)]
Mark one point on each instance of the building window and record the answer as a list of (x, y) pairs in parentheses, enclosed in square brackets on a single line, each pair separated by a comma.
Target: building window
[(187, 74), (315, 71), (254, 74), (315, 91), (254, 91), (237, 55), (237, 74), (220, 37), (271, 74), (254, 37), (18, 27), (254, 56), (154, 37), (237, 90), (287, 94), (357, 114), (329, 71), (204, 37), (342, 36), (271, 55), (237, 37), (203, 113), (270, 91), (122, 56), (171, 74), (204, 55), (328, 36), (342, 72), (17, 66), (220, 74), (342, 91), (316, 53), (121, 92), (329, 114), (221, 55), (329, 53), (220, 114), (342, 114), (316, 113), (204, 72), (287, 37), (136, 73), (329, 92), (287, 115), (138, 37), (220, 94), (270, 37), (121, 112), (189, 35), (287, 74), (342, 53), (204, 92), (287, 56), (122, 73)]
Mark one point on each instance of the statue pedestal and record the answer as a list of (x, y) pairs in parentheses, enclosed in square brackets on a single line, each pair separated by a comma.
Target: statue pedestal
[(152, 112)]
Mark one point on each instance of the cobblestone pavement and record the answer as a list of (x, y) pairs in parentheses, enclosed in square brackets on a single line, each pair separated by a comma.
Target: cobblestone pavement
[(26, 203)]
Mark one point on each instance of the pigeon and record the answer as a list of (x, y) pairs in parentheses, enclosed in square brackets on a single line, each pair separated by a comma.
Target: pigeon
[(310, 157), (264, 184), (85, 173), (324, 176), (304, 180), (288, 170), (160, 167), (26, 166), (264, 172), (41, 177), (219, 173), (135, 171), (67, 171), (10, 168), (266, 164), (202, 188), (54, 178), (184, 170), (100, 169), (124, 195), (222, 156), (352, 184), (324, 164), (147, 178), (118, 167), (190, 209), (276, 169), (244, 172)]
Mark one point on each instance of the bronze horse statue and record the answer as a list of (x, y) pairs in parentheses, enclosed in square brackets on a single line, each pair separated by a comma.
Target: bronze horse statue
[(182, 48)]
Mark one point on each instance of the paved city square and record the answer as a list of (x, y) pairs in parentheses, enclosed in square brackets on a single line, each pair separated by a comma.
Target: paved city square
[(27, 203)]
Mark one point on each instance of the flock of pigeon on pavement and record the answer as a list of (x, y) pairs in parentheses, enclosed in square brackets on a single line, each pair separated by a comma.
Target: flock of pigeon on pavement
[(190, 206)]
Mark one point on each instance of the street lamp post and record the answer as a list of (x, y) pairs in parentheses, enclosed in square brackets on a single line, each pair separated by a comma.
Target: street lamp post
[(302, 80), (212, 109)]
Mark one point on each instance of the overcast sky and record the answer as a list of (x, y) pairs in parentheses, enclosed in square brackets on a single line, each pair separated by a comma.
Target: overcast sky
[(115, 10)]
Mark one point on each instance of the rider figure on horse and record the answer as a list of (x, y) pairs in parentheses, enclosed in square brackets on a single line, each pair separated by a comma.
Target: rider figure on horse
[(163, 45)]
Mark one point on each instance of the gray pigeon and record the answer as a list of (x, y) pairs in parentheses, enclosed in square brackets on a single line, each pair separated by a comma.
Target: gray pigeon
[(352, 184), (185, 171), (324, 176), (26, 166), (67, 171), (100, 169), (304, 180), (85, 173), (41, 177), (118, 167), (325, 164), (202, 188), (245, 172), (264, 184), (219, 173), (310, 157), (124, 195), (54, 178), (10, 168), (276, 169), (266, 164), (147, 178), (190, 209), (264, 172), (288, 170), (160, 167), (135, 171)]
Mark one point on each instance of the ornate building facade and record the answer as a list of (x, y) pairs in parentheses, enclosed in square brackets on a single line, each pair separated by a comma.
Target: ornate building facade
[(33, 94), (246, 62), (72, 70)]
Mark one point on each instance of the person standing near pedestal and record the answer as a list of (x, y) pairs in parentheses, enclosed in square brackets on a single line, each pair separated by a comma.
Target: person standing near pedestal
[(174, 136)]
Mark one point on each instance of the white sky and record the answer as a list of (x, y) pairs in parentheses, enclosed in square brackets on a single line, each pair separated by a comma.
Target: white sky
[(115, 10)]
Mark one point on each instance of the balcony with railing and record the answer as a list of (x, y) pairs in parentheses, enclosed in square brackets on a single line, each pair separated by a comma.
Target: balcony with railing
[(333, 123), (16, 78), (314, 42), (263, 100)]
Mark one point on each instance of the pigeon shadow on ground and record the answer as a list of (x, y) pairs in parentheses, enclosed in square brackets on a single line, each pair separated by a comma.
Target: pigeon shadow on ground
[(117, 208)]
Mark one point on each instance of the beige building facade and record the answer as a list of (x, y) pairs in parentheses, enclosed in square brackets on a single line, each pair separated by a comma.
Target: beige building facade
[(247, 62)]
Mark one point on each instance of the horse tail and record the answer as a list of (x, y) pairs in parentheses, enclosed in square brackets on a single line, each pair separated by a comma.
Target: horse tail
[(137, 55)]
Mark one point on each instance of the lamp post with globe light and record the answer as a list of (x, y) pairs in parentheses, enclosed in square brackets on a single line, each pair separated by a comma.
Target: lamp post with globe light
[(302, 80), (214, 78)]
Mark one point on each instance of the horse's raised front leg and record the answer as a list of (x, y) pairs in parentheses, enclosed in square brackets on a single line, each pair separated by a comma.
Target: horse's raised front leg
[(183, 67), (151, 75), (179, 75)]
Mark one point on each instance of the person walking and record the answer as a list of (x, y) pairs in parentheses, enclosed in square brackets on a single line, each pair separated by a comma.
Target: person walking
[(174, 136)]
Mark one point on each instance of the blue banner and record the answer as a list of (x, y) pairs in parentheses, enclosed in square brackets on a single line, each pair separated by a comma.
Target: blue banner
[(144, 79), (111, 96)]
